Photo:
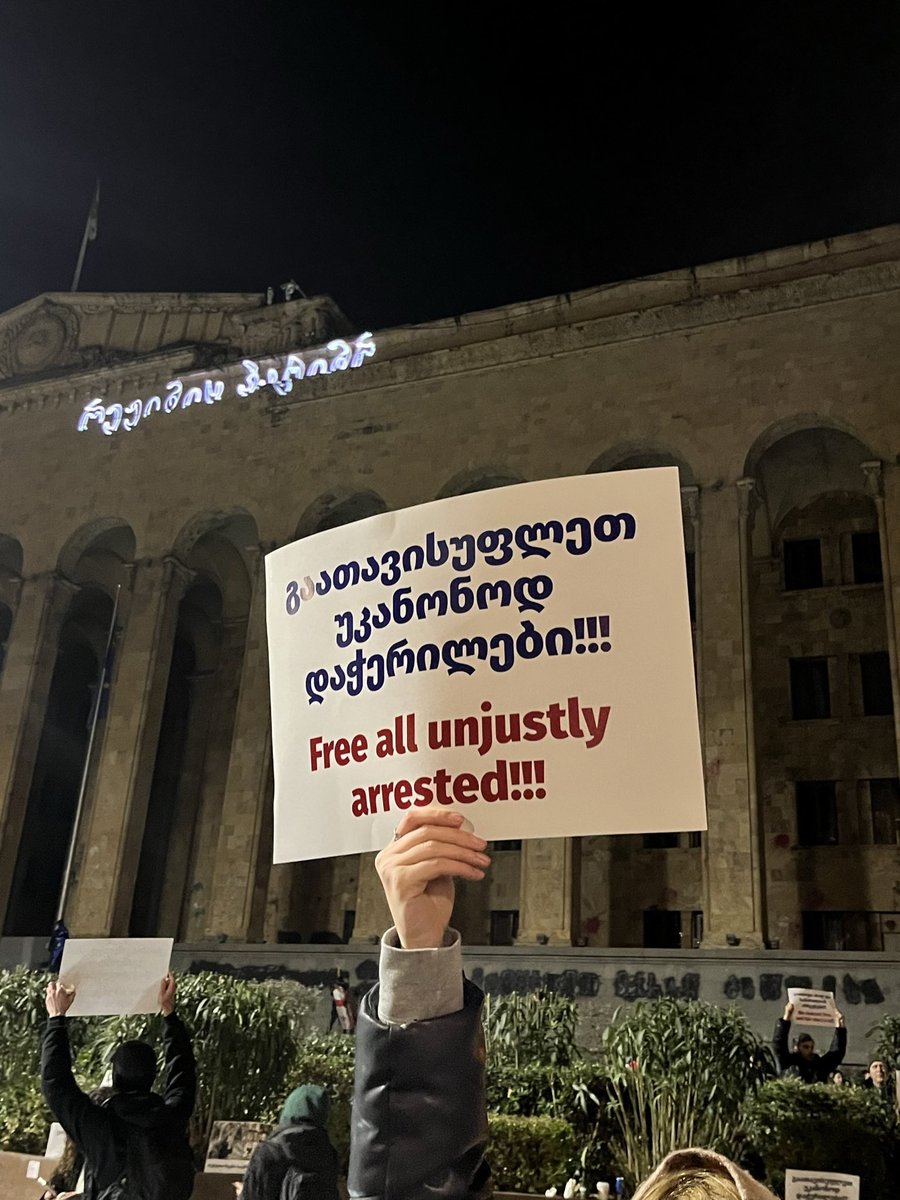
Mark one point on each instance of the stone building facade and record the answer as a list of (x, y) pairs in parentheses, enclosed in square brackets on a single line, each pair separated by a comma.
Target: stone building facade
[(148, 464)]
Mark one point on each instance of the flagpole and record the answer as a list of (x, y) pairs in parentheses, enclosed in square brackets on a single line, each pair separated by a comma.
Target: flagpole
[(90, 232), (85, 770)]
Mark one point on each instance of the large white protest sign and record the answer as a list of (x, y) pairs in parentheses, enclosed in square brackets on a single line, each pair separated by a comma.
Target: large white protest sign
[(812, 1007), (524, 654), (820, 1185), (114, 976)]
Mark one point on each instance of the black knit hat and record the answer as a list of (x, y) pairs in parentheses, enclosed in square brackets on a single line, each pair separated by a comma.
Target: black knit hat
[(134, 1067)]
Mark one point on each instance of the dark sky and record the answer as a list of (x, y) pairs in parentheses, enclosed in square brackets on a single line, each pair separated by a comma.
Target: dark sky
[(416, 160)]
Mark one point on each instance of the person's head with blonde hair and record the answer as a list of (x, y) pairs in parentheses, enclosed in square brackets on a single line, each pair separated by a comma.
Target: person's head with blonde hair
[(700, 1175)]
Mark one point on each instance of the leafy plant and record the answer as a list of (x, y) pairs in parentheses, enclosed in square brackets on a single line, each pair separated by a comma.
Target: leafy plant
[(531, 1028), (887, 1045), (24, 1120), (527, 1154), (819, 1127), (678, 1072), (576, 1094)]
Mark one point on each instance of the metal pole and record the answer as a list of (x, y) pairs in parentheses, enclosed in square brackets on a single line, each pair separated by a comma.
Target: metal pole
[(90, 232), (85, 770), (76, 278)]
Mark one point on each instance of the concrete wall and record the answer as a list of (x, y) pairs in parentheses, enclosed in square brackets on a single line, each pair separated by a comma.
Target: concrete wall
[(602, 980)]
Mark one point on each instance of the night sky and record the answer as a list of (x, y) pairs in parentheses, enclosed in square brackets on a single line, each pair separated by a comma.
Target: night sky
[(417, 160)]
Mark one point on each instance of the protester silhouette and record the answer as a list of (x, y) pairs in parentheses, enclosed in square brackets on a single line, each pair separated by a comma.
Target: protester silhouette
[(135, 1142)]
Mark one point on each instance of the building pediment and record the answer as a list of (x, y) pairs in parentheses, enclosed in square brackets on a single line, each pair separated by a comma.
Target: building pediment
[(59, 333)]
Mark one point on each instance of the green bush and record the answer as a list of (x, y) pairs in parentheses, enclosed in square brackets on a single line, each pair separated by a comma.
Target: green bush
[(576, 1094), (819, 1127), (24, 1120), (529, 1154), (679, 1072), (531, 1028)]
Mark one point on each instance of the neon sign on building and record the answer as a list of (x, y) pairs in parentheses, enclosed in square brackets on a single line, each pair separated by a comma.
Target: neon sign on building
[(279, 374)]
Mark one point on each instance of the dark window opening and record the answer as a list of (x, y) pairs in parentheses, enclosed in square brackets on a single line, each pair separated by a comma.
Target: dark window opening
[(660, 841), (875, 675), (691, 559), (866, 550), (810, 693), (802, 564), (662, 929), (5, 628), (696, 929), (884, 796), (509, 844), (504, 926), (842, 931), (349, 922), (817, 821)]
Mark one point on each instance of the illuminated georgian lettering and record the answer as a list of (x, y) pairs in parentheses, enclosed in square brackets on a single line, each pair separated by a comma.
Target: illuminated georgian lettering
[(243, 380)]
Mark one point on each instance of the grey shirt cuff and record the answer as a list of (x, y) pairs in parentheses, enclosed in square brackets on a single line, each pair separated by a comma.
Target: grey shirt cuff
[(417, 985)]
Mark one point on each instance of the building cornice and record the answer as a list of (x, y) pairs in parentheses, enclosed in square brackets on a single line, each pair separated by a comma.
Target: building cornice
[(674, 303)]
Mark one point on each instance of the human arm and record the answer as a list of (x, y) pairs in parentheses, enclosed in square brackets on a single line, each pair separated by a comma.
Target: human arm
[(180, 1066), (82, 1120), (419, 1116), (834, 1056), (780, 1038)]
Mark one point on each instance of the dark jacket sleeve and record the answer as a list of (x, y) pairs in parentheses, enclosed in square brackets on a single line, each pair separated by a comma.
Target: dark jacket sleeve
[(419, 1123), (181, 1070), (834, 1056), (780, 1044), (86, 1123), (265, 1172)]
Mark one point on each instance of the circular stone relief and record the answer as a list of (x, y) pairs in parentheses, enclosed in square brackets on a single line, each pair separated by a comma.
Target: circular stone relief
[(40, 342)]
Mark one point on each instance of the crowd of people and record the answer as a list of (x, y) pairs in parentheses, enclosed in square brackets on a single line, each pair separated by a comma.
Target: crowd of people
[(419, 1124)]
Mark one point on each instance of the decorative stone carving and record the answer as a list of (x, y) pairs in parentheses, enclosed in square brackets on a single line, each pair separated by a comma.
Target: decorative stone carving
[(40, 339)]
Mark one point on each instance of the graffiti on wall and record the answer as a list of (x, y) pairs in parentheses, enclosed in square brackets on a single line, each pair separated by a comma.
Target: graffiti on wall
[(773, 986), (589, 985)]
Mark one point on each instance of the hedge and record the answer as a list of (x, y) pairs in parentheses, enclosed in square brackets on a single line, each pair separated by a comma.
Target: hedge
[(529, 1154), (819, 1127)]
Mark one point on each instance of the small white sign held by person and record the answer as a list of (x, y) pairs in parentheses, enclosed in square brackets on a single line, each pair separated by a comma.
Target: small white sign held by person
[(115, 976), (820, 1185), (812, 1007), (524, 654)]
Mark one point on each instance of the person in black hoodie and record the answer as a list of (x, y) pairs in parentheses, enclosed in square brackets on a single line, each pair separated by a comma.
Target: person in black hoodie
[(136, 1141), (297, 1160), (803, 1062)]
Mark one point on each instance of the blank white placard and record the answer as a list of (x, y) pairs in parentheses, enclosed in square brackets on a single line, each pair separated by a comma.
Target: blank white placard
[(115, 977)]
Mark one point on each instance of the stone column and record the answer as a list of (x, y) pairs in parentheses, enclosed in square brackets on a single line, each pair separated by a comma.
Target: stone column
[(279, 891), (101, 903), (549, 891), (596, 890), (373, 916), (24, 689), (875, 484), (181, 852), (733, 891), (237, 873)]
